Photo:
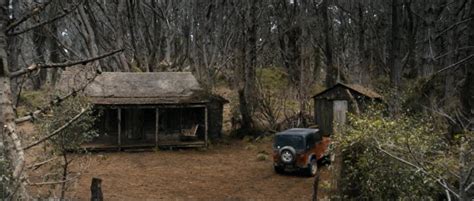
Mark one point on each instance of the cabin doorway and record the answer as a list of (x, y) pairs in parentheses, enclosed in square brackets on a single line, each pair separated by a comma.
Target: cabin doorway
[(138, 125), (126, 127)]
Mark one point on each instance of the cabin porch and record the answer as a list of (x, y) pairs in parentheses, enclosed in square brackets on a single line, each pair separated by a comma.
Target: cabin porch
[(122, 127)]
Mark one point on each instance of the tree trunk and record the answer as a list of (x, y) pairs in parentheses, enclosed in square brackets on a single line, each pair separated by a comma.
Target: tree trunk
[(429, 45), (90, 36), (331, 72), (131, 29), (121, 30), (13, 51), (395, 63), (247, 121), (292, 56), (467, 91), (54, 53), (10, 142), (411, 41), (247, 95), (364, 70), (39, 41), (289, 41)]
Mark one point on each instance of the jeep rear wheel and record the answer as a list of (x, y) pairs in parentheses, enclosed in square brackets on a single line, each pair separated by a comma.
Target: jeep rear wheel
[(312, 168)]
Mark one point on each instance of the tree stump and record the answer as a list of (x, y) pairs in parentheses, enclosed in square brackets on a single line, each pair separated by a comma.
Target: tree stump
[(96, 190)]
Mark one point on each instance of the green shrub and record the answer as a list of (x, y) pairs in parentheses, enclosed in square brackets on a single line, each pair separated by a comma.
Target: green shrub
[(374, 146), (31, 100), (272, 78), (78, 132)]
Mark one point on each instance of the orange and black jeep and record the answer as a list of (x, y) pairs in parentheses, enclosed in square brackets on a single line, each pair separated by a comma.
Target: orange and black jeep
[(299, 149)]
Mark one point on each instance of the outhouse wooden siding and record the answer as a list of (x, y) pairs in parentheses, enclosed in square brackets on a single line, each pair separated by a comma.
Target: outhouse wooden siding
[(357, 97), (324, 115)]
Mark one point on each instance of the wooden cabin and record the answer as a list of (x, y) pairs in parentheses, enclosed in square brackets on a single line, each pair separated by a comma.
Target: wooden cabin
[(331, 105), (153, 109)]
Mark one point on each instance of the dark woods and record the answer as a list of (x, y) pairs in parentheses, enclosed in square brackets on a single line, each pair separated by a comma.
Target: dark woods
[(405, 46), (274, 54)]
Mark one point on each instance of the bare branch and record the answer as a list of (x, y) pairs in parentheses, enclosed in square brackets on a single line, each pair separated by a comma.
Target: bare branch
[(455, 64), (441, 113), (57, 101), (30, 14), (448, 194), (39, 164), (451, 66), (453, 51), (61, 65), (451, 27), (57, 131), (469, 174), (159, 13), (440, 181), (469, 186), (48, 183), (63, 14), (53, 182)]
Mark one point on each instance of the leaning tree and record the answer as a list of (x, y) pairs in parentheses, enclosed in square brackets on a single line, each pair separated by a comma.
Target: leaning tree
[(15, 177)]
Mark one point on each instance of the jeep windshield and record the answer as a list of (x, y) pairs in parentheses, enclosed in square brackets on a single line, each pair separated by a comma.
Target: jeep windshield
[(295, 141)]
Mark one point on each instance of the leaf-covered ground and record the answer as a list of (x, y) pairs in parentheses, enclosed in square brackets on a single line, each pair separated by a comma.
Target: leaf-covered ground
[(224, 172)]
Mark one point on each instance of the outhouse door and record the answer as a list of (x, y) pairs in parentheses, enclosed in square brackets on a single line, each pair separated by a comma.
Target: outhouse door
[(340, 111)]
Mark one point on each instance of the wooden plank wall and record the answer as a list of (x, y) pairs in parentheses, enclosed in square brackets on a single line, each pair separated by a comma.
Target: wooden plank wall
[(324, 115)]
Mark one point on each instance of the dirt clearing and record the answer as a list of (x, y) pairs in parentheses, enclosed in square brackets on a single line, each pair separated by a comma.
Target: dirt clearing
[(224, 172)]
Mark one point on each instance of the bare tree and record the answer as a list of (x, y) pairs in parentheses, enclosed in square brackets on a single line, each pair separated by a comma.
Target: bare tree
[(12, 145)]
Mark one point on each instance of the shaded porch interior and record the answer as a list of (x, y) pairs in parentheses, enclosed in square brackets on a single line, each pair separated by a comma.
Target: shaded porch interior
[(124, 127)]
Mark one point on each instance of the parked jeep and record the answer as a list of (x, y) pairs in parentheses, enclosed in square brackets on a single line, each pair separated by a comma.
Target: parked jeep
[(299, 149)]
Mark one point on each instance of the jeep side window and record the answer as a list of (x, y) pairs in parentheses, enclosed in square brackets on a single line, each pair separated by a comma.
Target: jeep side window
[(310, 141)]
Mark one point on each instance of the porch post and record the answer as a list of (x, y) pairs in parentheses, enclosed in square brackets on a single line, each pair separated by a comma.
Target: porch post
[(157, 126), (206, 126), (119, 117)]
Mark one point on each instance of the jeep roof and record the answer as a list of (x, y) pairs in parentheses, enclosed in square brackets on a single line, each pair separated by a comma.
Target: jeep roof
[(298, 131)]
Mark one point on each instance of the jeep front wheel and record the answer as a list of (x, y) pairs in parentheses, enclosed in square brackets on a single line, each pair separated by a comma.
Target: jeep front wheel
[(312, 168)]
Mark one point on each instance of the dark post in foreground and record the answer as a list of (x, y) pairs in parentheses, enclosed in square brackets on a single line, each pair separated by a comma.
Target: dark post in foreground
[(96, 190), (315, 185)]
